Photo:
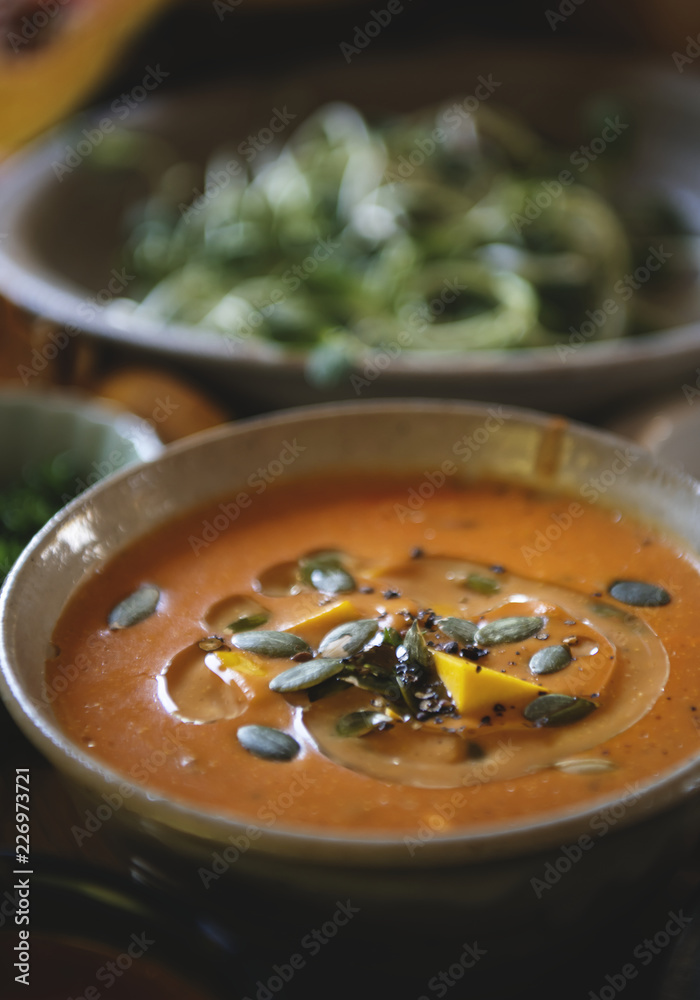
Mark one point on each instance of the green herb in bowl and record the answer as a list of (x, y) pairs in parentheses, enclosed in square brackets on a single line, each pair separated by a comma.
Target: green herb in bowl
[(53, 445), (29, 502)]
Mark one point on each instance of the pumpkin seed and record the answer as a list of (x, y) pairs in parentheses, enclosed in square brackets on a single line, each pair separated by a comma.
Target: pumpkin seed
[(482, 584), (135, 608), (305, 675), (585, 765), (349, 638), (319, 557), (458, 629), (325, 572), (211, 643), (268, 743), (504, 630), (246, 622), (331, 580), (639, 594), (236, 613), (415, 647), (361, 723), (550, 660), (278, 645), (558, 709)]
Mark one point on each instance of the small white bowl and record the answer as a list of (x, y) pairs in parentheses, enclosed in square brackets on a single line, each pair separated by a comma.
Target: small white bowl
[(97, 439)]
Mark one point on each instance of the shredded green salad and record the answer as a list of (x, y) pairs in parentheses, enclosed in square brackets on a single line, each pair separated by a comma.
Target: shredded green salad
[(27, 503), (437, 232)]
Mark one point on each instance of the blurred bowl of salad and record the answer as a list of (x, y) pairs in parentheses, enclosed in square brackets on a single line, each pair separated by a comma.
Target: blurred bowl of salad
[(54, 445), (488, 225)]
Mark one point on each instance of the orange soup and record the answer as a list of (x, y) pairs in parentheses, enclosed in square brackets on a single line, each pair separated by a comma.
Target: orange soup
[(348, 655)]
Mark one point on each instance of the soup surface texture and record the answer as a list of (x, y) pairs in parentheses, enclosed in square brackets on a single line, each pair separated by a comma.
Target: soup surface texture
[(348, 655)]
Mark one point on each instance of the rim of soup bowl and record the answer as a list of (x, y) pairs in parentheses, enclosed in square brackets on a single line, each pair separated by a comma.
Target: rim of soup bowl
[(79, 410), (504, 839)]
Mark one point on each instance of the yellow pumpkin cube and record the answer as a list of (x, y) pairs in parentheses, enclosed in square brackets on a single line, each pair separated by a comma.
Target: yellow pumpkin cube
[(321, 620), (235, 660), (475, 690)]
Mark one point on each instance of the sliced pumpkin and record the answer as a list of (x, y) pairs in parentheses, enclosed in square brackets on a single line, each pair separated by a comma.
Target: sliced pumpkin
[(322, 620), (231, 660), (475, 689)]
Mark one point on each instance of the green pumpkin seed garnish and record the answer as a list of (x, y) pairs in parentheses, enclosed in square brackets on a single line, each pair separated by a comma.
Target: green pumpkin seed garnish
[(361, 723), (246, 622), (319, 557), (349, 638), (268, 743), (331, 580), (325, 572), (482, 584), (558, 710), (278, 645), (236, 613), (458, 629), (550, 660), (639, 594), (135, 608), (305, 675), (504, 630), (417, 650)]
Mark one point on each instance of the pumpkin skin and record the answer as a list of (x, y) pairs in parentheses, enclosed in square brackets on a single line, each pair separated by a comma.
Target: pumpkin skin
[(49, 67)]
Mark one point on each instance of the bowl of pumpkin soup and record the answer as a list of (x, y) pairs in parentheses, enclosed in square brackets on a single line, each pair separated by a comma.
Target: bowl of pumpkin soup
[(425, 656)]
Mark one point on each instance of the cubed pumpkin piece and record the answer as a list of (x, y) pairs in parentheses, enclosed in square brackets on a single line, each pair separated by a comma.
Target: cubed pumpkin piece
[(224, 661), (475, 691), (321, 620)]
